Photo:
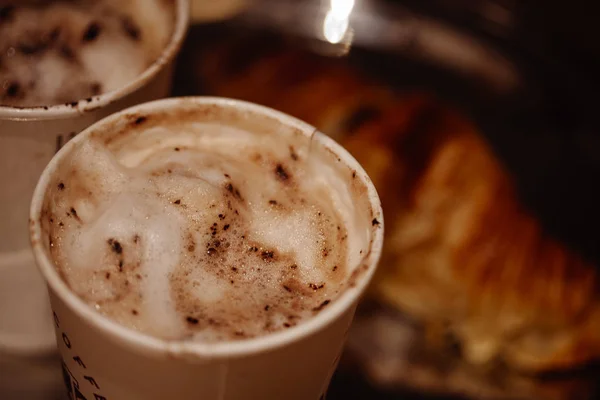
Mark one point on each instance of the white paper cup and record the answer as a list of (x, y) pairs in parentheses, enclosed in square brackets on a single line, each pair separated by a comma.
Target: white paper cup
[(29, 137), (104, 360)]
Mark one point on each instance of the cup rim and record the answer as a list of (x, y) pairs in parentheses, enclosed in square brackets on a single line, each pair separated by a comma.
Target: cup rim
[(81, 106), (191, 349)]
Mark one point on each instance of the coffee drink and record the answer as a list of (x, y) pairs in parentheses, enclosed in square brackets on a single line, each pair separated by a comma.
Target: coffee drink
[(62, 51), (206, 224)]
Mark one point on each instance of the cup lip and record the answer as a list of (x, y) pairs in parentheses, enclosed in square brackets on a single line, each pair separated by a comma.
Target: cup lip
[(189, 349), (81, 106)]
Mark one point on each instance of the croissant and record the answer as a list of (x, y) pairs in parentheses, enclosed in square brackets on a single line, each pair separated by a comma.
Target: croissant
[(461, 253)]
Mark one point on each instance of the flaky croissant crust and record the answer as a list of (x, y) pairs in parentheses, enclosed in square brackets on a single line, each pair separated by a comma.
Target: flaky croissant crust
[(461, 251)]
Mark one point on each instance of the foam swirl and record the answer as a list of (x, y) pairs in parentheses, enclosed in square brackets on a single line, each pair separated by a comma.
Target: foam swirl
[(206, 232)]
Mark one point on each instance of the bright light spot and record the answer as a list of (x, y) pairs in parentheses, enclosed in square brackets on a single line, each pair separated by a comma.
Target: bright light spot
[(341, 8), (336, 21), (335, 29)]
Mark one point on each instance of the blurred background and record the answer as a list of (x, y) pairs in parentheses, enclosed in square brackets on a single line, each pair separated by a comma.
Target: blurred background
[(477, 121)]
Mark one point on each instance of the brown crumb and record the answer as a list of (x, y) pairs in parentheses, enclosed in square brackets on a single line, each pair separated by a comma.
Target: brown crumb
[(13, 89), (233, 190), (91, 33), (322, 305), (314, 286), (293, 154), (115, 246), (281, 173), (130, 28)]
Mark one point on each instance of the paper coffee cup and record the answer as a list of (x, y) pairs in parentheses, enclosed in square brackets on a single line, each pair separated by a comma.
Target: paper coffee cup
[(29, 137), (104, 360)]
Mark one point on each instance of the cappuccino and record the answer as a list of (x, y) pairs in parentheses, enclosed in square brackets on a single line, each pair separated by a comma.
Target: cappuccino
[(206, 224), (62, 51)]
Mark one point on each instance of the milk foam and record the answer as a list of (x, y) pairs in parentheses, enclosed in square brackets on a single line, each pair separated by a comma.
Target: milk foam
[(206, 232), (62, 51)]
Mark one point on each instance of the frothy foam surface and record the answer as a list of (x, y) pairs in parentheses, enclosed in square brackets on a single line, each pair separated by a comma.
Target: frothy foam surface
[(205, 231), (62, 51)]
